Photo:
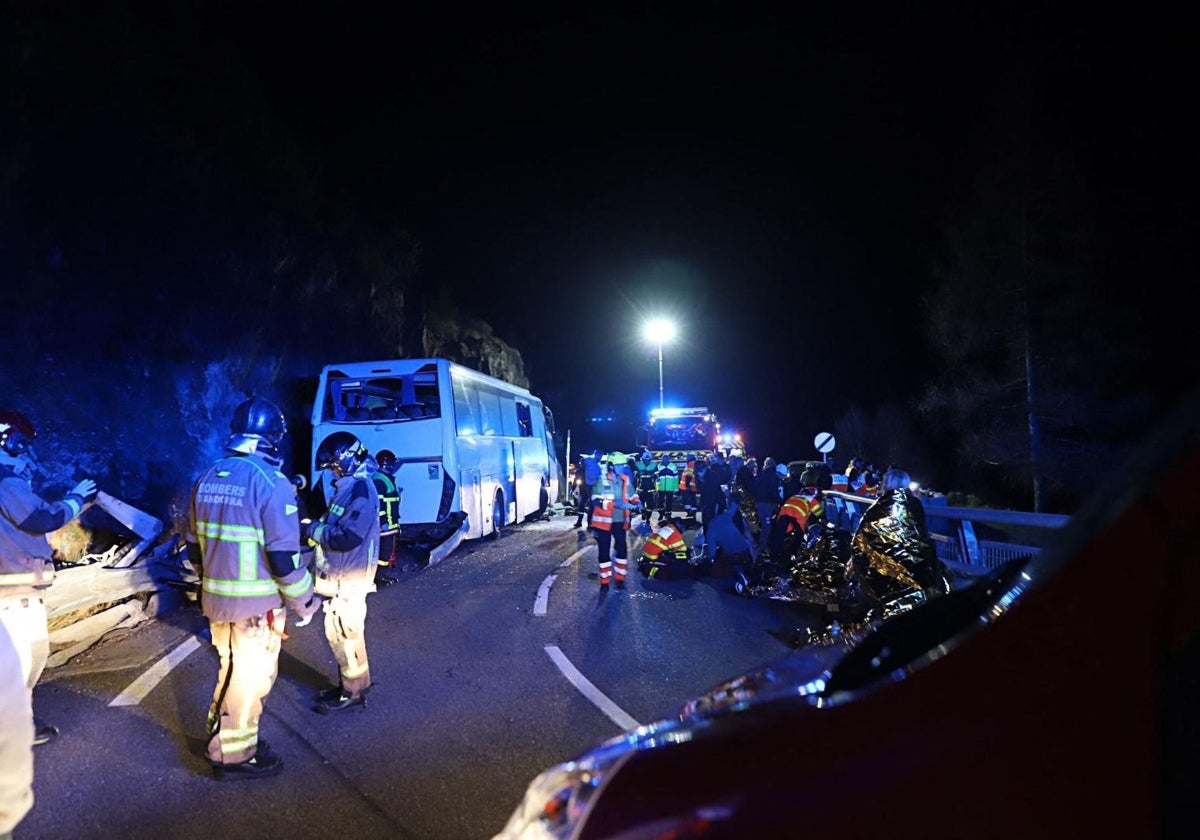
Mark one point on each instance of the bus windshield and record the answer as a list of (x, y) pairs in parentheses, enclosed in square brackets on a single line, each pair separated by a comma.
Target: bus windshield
[(406, 397)]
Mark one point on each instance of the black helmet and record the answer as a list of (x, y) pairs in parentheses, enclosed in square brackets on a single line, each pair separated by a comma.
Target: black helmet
[(342, 452), (261, 420), (387, 461), (16, 432)]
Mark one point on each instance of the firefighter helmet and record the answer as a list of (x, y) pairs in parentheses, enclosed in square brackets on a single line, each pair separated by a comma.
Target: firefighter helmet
[(258, 425), (16, 433), (342, 453), (387, 461)]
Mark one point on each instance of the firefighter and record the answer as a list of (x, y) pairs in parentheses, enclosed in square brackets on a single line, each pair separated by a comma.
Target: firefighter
[(26, 559), (389, 518), (346, 545), (613, 507), (663, 551), (244, 541), (646, 472)]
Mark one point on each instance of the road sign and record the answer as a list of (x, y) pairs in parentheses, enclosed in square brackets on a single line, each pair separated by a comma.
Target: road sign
[(824, 442)]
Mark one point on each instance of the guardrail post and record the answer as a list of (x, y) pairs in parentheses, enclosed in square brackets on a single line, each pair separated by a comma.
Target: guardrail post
[(969, 543)]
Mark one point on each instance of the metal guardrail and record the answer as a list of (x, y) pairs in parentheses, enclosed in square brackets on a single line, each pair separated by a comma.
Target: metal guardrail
[(952, 530)]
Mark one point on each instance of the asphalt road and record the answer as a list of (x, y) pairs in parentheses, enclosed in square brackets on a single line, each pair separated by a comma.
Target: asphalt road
[(479, 684)]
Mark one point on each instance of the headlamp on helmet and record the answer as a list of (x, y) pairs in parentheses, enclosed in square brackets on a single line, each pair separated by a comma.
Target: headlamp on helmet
[(16, 433), (342, 455)]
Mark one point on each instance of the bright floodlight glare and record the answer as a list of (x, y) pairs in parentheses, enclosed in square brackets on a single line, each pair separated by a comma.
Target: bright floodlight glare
[(659, 330)]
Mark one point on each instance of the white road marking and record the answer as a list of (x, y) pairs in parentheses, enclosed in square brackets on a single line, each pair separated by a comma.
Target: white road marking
[(576, 556), (143, 685), (597, 698), (539, 605), (543, 595)]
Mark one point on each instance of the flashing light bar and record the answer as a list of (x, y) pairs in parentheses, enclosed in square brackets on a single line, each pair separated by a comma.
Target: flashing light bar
[(677, 412)]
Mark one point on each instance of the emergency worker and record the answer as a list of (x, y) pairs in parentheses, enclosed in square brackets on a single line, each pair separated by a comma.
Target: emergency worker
[(645, 472), (689, 488), (346, 544), (16, 738), (666, 485), (664, 551), (244, 541), (384, 479), (612, 509), (797, 514), (26, 558)]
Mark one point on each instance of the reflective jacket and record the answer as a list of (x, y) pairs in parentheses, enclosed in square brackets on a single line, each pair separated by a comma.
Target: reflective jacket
[(803, 506), (614, 499), (244, 529), (687, 479), (389, 503), (26, 559), (347, 535), (667, 480), (646, 472), (666, 540)]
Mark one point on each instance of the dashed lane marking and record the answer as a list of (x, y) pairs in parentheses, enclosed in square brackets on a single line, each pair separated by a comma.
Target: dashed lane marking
[(539, 604)]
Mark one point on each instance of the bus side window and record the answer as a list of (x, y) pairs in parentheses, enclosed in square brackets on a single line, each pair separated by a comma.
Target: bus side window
[(490, 422), (466, 408), (524, 420)]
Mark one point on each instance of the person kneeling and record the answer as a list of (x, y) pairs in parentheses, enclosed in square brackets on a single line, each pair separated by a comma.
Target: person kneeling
[(665, 553)]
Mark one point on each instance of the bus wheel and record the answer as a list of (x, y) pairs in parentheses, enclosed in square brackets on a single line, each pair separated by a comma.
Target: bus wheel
[(543, 503), (497, 516)]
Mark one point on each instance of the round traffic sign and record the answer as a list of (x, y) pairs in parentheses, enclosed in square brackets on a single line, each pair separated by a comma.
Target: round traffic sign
[(824, 442)]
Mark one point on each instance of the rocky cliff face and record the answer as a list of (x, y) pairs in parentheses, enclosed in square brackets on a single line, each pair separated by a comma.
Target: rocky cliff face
[(143, 428), (471, 342)]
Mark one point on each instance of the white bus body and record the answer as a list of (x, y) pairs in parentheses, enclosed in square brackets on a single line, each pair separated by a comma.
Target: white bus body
[(465, 442)]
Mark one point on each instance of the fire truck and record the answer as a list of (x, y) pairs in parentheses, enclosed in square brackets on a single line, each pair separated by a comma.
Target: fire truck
[(681, 434)]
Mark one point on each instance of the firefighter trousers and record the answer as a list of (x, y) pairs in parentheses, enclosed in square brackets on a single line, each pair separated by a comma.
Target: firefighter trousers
[(345, 630), (249, 653)]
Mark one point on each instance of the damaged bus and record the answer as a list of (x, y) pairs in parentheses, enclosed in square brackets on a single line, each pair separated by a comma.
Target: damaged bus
[(473, 453)]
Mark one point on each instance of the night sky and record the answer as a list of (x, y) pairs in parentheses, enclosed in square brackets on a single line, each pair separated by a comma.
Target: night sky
[(775, 178)]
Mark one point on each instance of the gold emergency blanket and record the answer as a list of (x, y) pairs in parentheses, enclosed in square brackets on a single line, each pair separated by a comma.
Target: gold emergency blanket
[(887, 567), (746, 504), (891, 556)]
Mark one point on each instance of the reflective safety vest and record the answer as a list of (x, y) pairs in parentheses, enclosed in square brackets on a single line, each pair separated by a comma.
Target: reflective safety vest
[(667, 481), (840, 482), (801, 507), (605, 491), (389, 503), (666, 540), (687, 479), (646, 471)]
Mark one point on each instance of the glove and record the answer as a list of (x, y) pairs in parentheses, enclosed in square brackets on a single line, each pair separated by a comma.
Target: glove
[(305, 611), (307, 526), (85, 490)]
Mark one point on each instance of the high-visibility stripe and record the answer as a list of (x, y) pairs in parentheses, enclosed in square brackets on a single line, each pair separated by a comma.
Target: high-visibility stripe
[(240, 588)]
